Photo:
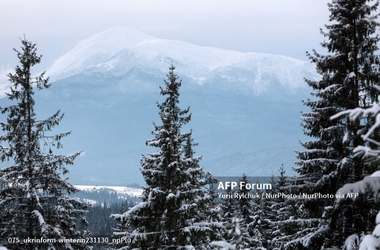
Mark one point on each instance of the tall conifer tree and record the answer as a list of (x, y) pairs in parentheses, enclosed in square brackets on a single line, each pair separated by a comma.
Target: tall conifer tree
[(34, 201), (174, 208), (348, 77)]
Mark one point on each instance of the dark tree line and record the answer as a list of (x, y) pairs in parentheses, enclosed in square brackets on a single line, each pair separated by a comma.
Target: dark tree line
[(108, 196), (100, 224)]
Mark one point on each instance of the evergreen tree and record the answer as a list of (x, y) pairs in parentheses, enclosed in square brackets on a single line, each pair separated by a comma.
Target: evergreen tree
[(347, 81), (276, 211), (214, 212), (34, 199), (228, 206), (237, 237), (250, 211), (244, 203), (281, 180), (173, 210), (234, 236), (232, 214), (294, 227), (370, 185)]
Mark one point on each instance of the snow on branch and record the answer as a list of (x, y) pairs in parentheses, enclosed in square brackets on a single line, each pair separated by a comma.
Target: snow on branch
[(359, 112), (369, 183), (41, 221), (224, 245), (352, 242), (130, 211), (39, 217), (373, 111), (369, 242)]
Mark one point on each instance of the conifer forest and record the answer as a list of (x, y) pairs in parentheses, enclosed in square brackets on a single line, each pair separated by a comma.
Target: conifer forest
[(329, 201)]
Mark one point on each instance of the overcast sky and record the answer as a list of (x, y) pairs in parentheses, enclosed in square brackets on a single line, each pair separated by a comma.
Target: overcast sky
[(268, 26)]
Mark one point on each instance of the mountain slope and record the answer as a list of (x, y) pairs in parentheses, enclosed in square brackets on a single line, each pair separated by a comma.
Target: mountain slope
[(245, 106), (124, 53)]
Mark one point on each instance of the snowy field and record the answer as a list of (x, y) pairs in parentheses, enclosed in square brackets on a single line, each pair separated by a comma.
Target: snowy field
[(119, 189)]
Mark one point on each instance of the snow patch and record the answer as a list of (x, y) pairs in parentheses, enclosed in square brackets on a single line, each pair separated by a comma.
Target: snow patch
[(119, 189), (369, 242), (371, 183), (378, 218), (89, 201), (376, 231), (352, 242), (223, 245)]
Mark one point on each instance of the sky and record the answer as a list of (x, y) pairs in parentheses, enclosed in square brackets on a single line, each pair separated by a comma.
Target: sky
[(287, 28)]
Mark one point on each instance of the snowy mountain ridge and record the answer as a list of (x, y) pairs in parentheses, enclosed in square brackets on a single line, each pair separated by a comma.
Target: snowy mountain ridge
[(93, 51), (119, 52), (245, 106)]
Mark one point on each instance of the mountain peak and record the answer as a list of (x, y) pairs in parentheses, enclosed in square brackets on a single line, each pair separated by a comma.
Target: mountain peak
[(97, 49), (127, 54)]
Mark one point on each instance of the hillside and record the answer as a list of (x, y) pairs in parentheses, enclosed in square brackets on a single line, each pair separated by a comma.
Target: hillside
[(246, 106)]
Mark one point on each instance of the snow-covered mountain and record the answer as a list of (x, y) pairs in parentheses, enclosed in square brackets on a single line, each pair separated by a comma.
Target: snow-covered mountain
[(124, 54), (245, 106)]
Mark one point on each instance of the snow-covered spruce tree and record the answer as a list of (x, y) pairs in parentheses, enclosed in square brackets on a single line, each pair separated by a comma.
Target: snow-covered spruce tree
[(228, 206), (276, 210), (369, 185), (234, 236), (292, 219), (34, 201), (246, 212), (208, 203), (173, 213), (347, 81), (251, 214), (244, 203)]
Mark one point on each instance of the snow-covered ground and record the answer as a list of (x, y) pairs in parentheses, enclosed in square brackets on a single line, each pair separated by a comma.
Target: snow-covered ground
[(119, 189)]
